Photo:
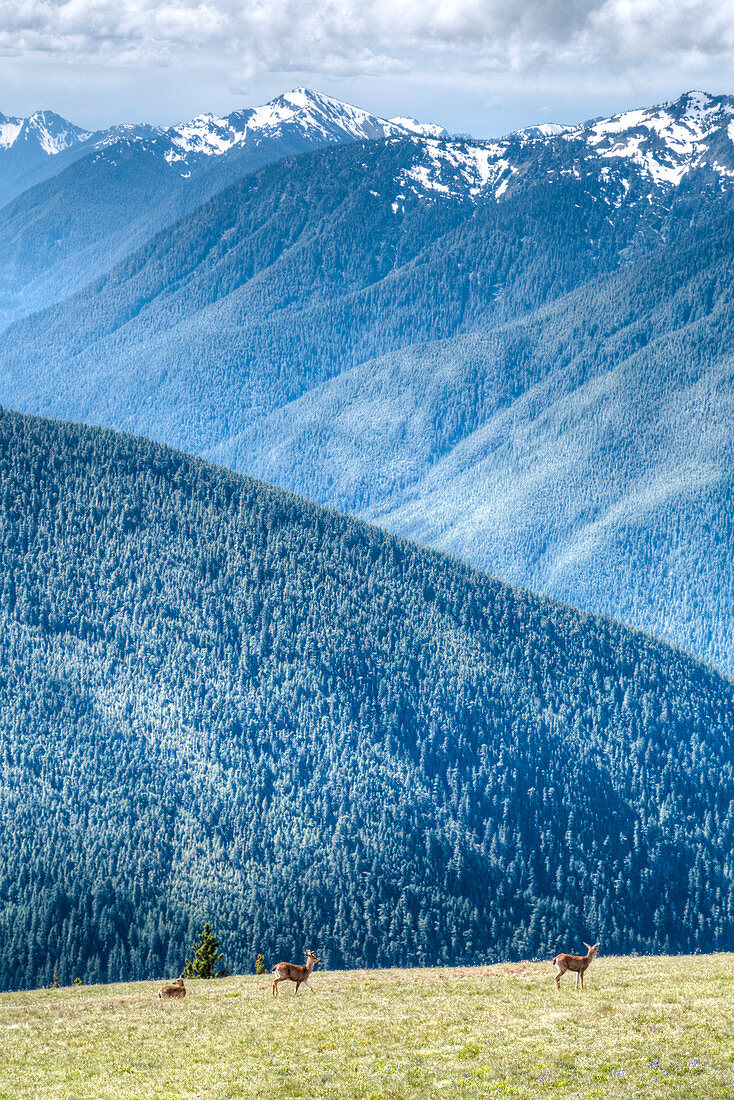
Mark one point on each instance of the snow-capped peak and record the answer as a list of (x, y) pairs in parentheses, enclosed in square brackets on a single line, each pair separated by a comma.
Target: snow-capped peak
[(49, 131), (317, 112), (424, 129), (303, 97), (541, 131), (301, 118), (665, 142), (318, 117), (659, 145), (54, 133), (681, 122)]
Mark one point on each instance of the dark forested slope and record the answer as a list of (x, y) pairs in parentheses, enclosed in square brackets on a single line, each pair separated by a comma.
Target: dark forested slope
[(219, 702)]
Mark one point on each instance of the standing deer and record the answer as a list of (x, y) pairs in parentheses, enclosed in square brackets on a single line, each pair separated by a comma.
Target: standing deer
[(176, 988), (290, 972), (577, 964)]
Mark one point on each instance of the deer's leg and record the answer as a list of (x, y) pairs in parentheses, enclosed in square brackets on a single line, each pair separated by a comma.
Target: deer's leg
[(275, 986), (578, 974), (296, 989), (582, 979), (558, 976), (308, 985)]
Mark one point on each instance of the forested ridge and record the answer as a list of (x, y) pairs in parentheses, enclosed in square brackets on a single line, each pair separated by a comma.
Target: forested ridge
[(287, 277), (219, 702), (305, 268)]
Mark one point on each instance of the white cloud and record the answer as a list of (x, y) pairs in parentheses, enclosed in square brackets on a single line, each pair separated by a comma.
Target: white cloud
[(363, 36), (687, 31)]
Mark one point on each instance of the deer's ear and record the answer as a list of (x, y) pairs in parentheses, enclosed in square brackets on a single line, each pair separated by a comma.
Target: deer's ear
[(587, 946)]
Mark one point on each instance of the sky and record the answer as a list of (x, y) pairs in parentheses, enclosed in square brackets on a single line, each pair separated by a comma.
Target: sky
[(476, 66)]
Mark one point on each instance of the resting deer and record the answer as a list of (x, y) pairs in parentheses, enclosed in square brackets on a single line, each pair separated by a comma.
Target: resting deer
[(175, 988), (290, 972), (577, 964)]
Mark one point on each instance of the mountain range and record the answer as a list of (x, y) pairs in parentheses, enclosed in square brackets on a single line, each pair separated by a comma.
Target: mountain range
[(83, 200), (518, 350), (44, 143), (220, 702)]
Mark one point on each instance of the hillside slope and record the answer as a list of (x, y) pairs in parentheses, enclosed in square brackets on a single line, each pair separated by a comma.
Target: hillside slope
[(294, 274), (585, 451), (219, 702)]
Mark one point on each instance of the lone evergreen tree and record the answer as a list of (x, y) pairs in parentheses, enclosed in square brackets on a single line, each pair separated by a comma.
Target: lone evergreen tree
[(206, 957), (260, 967)]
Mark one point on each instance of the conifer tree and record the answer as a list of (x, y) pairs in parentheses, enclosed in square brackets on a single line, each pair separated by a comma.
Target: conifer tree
[(206, 957)]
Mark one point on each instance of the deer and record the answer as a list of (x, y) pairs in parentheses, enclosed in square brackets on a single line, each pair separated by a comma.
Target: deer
[(175, 988), (291, 972), (577, 964)]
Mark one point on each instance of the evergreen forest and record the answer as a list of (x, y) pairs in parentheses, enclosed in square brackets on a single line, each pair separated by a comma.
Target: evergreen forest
[(220, 703)]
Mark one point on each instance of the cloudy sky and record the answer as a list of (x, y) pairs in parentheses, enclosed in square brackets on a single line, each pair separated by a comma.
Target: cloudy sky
[(482, 66)]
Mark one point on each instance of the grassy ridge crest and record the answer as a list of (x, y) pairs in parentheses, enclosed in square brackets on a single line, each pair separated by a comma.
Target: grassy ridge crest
[(643, 1027)]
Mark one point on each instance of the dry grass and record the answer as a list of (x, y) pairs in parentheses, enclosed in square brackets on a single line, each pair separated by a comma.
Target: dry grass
[(466, 1032)]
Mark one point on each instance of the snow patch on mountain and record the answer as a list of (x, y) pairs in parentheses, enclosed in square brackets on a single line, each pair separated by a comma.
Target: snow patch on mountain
[(54, 134), (206, 135), (660, 145), (9, 130), (541, 131), (425, 178), (461, 169), (665, 142)]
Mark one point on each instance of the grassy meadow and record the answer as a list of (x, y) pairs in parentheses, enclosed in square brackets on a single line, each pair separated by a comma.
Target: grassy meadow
[(645, 1027)]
